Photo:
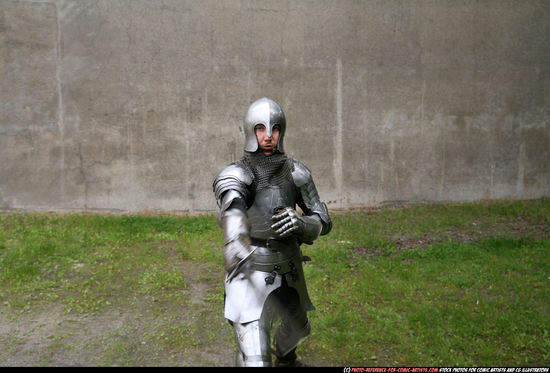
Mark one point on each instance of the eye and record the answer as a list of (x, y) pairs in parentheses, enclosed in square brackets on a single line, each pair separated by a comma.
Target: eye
[(259, 127)]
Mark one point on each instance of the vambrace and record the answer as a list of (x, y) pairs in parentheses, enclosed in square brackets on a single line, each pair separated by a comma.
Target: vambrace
[(236, 229), (311, 228), (321, 210), (309, 197)]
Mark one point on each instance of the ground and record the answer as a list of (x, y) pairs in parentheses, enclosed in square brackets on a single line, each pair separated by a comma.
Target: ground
[(115, 336)]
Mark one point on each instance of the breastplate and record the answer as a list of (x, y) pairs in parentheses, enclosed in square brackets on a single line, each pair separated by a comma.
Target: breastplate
[(265, 202)]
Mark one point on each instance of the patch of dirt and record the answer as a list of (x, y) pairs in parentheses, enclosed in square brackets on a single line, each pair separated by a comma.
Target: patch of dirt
[(412, 243), (517, 228), (522, 228), (120, 336)]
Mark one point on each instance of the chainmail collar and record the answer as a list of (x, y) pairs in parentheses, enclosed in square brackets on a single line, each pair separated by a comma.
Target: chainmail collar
[(268, 171)]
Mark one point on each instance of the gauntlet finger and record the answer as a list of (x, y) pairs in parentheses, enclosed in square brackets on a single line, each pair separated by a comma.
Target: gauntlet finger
[(282, 215), (284, 227), (286, 230), (281, 223)]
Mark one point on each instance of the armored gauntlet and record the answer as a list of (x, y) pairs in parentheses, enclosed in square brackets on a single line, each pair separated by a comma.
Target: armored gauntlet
[(287, 221)]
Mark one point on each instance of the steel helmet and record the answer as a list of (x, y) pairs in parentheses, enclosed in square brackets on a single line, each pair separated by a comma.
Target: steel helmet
[(267, 112)]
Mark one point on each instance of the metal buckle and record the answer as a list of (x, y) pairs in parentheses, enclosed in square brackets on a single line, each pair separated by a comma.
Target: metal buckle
[(293, 271), (270, 279)]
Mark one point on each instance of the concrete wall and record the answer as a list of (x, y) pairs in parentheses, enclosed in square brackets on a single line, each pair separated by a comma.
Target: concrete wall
[(136, 105)]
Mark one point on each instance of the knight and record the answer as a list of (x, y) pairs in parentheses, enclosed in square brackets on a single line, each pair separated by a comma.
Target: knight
[(258, 197)]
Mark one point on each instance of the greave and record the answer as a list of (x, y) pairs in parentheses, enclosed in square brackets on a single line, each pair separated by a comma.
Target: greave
[(253, 342)]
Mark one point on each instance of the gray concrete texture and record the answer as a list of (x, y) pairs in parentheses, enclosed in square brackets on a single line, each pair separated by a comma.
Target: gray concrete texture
[(137, 105)]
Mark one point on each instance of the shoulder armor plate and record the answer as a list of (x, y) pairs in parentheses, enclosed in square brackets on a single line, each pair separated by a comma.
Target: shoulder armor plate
[(232, 177), (300, 173)]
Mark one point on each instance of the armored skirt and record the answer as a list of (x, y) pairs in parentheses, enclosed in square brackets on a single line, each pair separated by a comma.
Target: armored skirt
[(246, 293)]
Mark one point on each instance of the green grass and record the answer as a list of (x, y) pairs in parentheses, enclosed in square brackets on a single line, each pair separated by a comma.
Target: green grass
[(90, 259), (483, 302), (463, 284)]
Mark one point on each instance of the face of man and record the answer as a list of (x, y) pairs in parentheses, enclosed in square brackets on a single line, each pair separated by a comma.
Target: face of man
[(267, 143)]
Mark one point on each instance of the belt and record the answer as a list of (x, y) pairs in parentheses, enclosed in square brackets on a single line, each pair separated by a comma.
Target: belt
[(274, 243), (281, 268)]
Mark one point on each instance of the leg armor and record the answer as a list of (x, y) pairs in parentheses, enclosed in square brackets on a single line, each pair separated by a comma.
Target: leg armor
[(253, 338), (253, 342), (294, 326)]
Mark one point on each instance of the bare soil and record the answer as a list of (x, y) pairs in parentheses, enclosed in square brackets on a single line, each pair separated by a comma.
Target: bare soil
[(117, 336), (514, 228)]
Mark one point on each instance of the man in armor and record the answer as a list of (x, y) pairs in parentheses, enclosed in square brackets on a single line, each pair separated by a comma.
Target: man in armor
[(264, 282)]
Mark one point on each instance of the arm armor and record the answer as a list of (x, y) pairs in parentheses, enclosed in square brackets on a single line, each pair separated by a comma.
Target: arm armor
[(231, 190), (232, 183), (308, 198), (236, 234)]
